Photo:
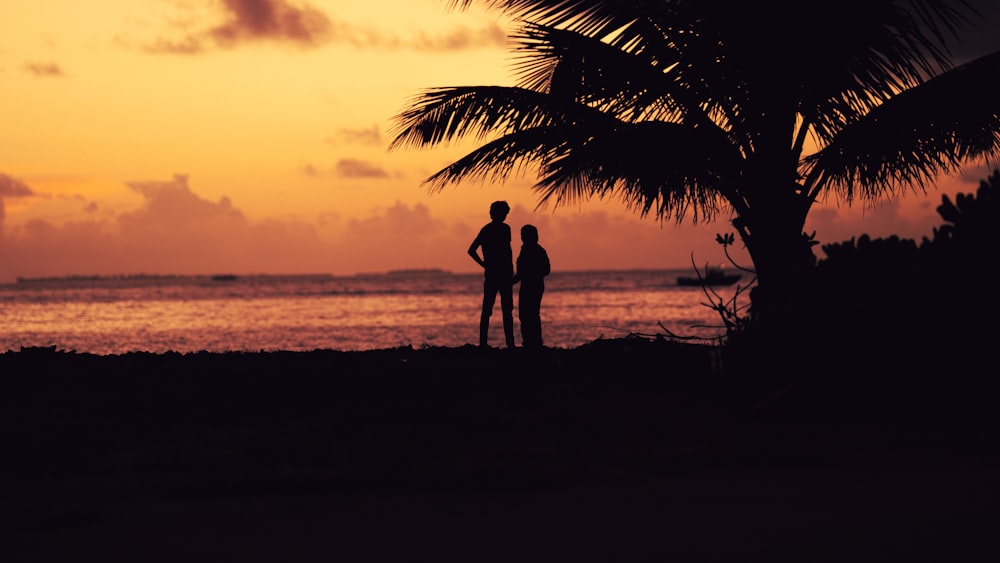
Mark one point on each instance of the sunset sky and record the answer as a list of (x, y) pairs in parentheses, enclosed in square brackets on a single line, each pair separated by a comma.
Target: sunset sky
[(206, 136)]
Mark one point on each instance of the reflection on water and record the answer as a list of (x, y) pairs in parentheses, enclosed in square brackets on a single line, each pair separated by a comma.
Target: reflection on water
[(157, 314)]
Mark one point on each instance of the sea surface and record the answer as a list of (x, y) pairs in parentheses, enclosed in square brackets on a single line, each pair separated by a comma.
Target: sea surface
[(418, 308)]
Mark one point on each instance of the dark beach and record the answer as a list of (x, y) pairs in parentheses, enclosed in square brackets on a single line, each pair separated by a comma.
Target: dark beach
[(630, 449)]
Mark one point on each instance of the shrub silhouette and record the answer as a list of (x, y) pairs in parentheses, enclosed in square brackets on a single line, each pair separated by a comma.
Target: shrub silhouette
[(892, 290), (965, 240)]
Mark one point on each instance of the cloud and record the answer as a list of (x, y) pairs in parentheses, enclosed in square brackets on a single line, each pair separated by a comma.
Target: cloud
[(310, 170), (243, 22), (459, 39), (398, 220), (176, 231), (170, 205), (185, 46), (11, 187), (353, 168), (346, 168), (271, 19), (367, 137), (248, 21), (43, 69), (462, 38)]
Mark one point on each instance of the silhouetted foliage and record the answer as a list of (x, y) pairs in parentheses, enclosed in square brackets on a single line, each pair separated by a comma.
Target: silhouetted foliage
[(894, 291), (967, 239)]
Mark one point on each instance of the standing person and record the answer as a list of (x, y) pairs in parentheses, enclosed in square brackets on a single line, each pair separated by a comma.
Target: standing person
[(498, 264), (532, 267)]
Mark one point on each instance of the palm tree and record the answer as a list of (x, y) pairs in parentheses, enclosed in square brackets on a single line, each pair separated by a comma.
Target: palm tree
[(688, 109)]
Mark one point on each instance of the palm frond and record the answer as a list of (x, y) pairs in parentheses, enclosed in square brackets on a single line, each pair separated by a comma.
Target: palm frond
[(590, 17), (500, 158), (665, 169), (917, 135), (568, 65), (444, 114), (888, 51)]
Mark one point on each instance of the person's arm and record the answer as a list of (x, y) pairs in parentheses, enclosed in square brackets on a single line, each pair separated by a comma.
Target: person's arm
[(474, 252)]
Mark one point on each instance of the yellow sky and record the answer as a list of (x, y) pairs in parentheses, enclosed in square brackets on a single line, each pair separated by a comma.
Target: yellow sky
[(195, 136)]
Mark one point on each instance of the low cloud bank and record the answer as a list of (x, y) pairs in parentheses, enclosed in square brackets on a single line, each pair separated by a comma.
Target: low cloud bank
[(175, 231)]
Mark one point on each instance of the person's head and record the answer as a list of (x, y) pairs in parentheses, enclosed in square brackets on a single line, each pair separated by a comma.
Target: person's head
[(499, 210), (529, 233)]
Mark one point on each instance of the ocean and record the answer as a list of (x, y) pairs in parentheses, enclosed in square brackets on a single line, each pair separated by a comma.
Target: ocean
[(418, 308)]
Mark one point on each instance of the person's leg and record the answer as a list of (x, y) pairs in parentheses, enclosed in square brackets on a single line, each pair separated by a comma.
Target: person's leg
[(507, 309), (531, 319), (489, 299), (538, 316), (522, 316)]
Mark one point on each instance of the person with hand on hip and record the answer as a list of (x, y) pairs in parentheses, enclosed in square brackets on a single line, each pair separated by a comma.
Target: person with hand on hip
[(498, 265)]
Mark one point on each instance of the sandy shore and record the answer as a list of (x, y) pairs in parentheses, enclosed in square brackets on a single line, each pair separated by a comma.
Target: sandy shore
[(624, 450)]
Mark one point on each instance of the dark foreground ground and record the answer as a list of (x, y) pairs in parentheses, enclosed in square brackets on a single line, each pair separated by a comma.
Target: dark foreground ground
[(626, 450)]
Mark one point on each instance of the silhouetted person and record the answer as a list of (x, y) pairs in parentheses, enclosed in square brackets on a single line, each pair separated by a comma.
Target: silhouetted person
[(532, 267), (498, 263)]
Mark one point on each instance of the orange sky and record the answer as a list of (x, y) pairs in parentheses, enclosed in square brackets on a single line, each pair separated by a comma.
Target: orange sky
[(198, 137)]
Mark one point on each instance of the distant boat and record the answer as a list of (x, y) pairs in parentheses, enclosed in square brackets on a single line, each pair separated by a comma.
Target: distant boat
[(714, 276)]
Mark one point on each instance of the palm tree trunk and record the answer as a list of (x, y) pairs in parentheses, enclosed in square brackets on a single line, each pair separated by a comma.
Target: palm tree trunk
[(783, 259)]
